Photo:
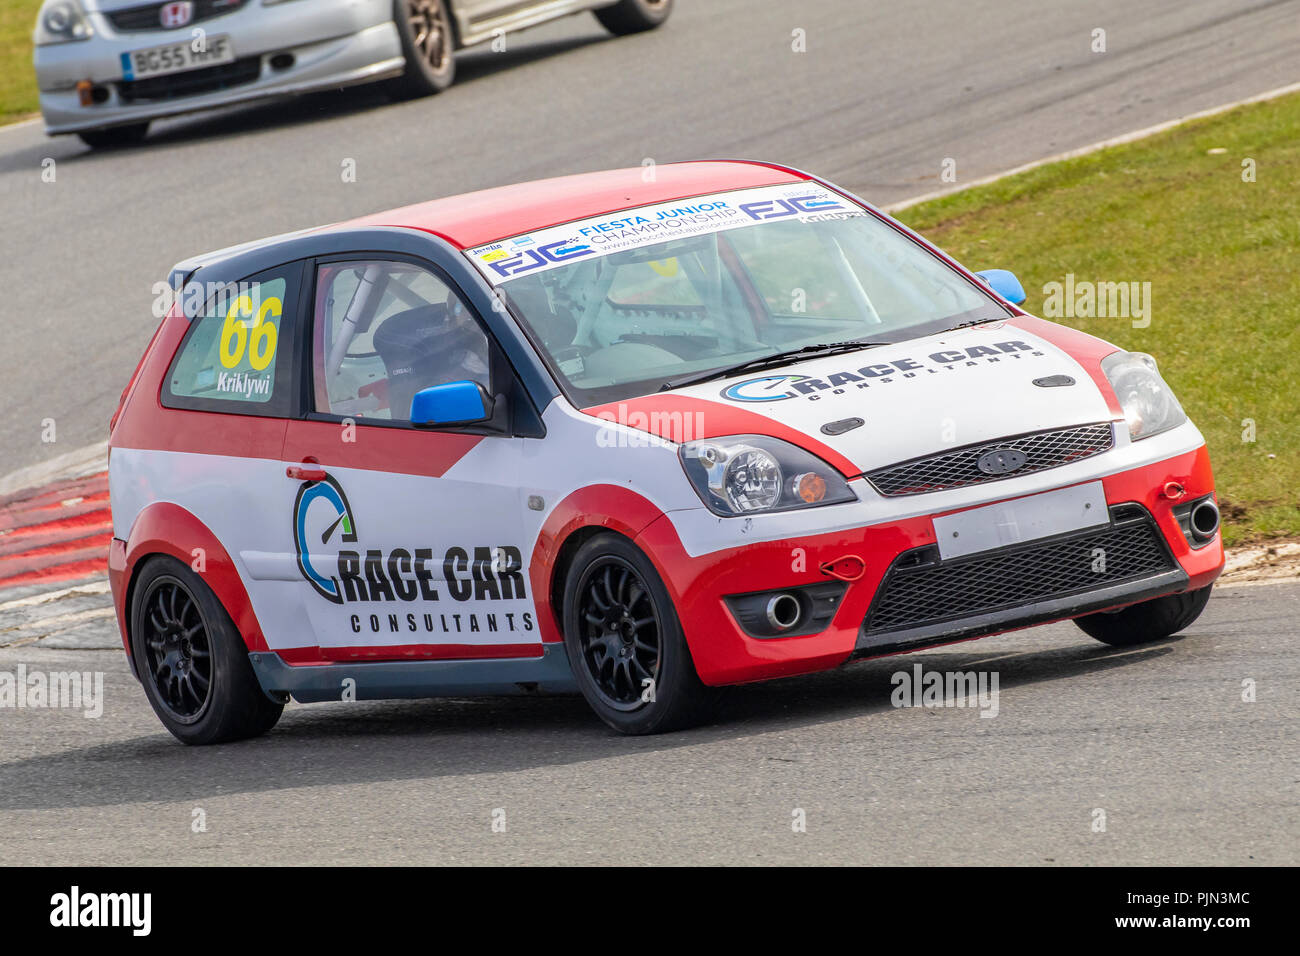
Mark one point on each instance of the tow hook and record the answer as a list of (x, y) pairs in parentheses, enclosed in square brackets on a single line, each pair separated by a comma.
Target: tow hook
[(848, 568), (1173, 490)]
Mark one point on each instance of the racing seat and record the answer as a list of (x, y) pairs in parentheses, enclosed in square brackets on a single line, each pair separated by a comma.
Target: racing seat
[(421, 347)]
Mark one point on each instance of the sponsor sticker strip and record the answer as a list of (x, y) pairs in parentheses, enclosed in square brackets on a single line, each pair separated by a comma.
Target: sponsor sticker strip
[(650, 225)]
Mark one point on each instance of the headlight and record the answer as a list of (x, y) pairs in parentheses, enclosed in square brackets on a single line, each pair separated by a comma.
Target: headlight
[(748, 474), (61, 21), (1148, 402)]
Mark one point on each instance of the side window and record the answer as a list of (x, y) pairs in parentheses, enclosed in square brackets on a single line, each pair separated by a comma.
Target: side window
[(383, 331), (238, 355)]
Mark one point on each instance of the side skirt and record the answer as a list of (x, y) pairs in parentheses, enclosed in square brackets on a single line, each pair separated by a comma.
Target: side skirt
[(388, 680)]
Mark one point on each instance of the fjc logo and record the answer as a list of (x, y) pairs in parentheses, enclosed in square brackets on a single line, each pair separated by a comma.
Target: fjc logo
[(174, 15), (780, 208), (551, 252)]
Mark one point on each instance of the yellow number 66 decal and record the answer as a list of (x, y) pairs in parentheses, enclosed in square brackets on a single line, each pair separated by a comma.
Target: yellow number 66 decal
[(258, 336)]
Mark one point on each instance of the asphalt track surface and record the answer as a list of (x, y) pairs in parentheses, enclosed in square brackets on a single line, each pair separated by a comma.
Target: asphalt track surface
[(1158, 739)]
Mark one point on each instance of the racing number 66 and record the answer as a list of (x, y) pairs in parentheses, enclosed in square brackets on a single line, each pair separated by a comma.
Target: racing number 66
[(235, 334)]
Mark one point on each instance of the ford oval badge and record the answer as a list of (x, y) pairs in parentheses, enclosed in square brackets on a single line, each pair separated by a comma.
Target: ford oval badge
[(1001, 461)]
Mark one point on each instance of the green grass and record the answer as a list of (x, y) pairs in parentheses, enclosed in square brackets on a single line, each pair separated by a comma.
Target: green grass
[(1223, 260), (17, 80)]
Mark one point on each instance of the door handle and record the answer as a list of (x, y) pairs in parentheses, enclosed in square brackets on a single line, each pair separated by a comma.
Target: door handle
[(305, 473)]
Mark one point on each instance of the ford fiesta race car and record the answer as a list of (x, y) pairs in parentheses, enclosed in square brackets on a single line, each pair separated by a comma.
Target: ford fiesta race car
[(634, 436)]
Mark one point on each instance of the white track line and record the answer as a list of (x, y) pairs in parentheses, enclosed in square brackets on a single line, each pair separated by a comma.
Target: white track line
[(90, 460), (90, 587), (20, 124), (1085, 150)]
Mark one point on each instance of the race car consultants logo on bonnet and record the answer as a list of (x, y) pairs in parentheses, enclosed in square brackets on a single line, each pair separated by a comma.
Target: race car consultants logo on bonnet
[(772, 388), (769, 388)]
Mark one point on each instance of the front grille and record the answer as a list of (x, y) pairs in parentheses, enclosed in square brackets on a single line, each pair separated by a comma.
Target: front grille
[(919, 589), (192, 83), (957, 468), (148, 17)]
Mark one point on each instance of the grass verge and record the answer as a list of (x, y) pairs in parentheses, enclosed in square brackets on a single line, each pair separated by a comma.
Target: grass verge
[(17, 79), (1222, 255)]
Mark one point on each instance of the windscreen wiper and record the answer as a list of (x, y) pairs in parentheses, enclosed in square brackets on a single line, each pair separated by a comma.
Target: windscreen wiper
[(770, 361), (969, 322)]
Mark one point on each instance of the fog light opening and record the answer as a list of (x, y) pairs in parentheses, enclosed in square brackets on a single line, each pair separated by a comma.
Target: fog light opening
[(1205, 520), (282, 61), (783, 611)]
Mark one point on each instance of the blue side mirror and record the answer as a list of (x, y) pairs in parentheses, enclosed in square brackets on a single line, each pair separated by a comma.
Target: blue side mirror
[(1005, 284), (455, 403)]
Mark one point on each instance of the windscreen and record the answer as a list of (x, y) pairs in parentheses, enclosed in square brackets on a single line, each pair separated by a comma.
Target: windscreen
[(628, 303)]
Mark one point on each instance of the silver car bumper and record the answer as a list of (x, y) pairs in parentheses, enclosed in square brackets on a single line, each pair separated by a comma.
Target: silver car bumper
[(333, 43)]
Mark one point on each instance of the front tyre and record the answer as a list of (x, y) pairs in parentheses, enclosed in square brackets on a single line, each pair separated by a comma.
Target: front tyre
[(428, 44), (625, 644), (1149, 621), (191, 660), (634, 16)]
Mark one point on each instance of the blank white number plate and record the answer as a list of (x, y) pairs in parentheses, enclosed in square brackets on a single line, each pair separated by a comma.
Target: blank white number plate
[(1021, 519)]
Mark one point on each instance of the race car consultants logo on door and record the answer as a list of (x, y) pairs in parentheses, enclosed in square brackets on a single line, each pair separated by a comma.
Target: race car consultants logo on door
[(407, 572), (321, 511)]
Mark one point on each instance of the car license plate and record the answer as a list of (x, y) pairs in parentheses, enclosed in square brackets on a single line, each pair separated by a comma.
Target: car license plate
[(177, 58), (1021, 519)]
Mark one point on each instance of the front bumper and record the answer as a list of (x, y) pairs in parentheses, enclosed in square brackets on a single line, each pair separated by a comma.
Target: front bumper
[(333, 43), (725, 653)]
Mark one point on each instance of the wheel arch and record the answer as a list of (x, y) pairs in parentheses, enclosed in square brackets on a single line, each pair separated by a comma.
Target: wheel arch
[(166, 529), (577, 518)]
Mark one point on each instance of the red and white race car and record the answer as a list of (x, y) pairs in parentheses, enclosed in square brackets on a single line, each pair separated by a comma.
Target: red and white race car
[(635, 433)]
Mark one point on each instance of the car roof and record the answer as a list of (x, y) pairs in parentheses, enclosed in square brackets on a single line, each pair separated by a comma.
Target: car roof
[(472, 219)]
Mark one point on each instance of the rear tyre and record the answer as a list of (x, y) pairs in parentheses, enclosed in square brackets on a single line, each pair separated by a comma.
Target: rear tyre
[(428, 45), (634, 16), (115, 137), (191, 660), (625, 643), (1148, 621)]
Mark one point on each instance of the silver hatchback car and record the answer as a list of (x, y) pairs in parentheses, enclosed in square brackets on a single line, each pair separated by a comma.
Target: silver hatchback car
[(106, 68)]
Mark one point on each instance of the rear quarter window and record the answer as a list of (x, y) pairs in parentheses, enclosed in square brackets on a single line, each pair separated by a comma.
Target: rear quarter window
[(238, 356)]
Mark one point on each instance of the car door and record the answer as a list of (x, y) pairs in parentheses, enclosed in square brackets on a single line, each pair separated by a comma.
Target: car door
[(409, 540)]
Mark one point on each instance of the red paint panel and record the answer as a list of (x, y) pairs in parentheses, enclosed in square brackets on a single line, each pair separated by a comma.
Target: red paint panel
[(723, 653), (597, 506), (472, 219), (407, 451), (682, 417), (145, 423), (1087, 350), (117, 584), (166, 528)]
